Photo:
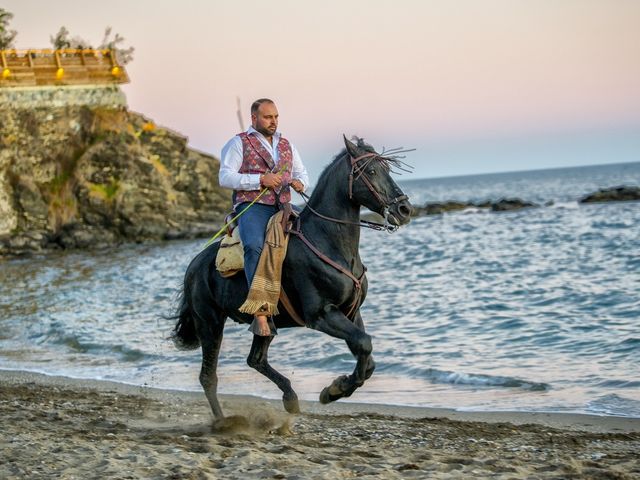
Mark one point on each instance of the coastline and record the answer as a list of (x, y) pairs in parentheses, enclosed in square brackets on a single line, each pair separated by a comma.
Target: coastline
[(71, 428), (562, 420)]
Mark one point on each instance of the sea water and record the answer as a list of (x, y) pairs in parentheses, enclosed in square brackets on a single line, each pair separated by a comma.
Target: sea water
[(531, 310)]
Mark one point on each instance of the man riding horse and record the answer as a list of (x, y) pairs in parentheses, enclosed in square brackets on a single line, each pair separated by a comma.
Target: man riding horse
[(251, 161), (322, 273)]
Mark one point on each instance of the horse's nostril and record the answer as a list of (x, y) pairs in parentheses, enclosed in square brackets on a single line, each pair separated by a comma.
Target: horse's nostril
[(405, 210)]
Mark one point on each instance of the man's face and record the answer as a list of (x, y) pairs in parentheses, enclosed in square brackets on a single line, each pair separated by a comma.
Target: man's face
[(265, 120)]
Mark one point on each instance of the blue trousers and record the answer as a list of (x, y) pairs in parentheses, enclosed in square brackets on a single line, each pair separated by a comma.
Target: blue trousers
[(252, 225)]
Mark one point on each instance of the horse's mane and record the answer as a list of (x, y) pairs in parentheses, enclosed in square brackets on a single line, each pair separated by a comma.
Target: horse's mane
[(340, 157)]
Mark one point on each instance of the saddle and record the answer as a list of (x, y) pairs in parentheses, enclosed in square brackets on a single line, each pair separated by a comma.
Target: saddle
[(230, 257)]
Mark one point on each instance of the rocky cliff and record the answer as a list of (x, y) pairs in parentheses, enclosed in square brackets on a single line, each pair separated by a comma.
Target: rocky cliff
[(93, 173)]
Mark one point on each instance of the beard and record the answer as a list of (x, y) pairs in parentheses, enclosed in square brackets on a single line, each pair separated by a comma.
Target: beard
[(266, 131)]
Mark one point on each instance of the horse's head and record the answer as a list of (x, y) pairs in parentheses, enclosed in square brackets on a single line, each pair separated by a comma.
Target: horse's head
[(371, 185)]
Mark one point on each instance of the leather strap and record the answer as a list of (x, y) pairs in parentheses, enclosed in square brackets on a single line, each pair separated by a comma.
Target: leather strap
[(288, 306), (356, 281)]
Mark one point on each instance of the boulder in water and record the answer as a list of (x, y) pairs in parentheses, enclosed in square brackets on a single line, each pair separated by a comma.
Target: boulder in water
[(615, 194), (502, 205), (507, 204)]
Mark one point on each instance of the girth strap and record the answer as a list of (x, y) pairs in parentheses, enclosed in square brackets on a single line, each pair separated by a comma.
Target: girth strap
[(288, 306)]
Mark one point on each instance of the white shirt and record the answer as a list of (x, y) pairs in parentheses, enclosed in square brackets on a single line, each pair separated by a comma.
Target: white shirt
[(231, 161)]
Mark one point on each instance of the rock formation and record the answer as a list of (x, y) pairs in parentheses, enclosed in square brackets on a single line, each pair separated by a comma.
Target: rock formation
[(615, 194), (78, 176), (502, 205)]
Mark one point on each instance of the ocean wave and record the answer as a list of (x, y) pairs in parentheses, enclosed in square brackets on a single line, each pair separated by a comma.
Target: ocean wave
[(565, 205), (466, 379), (75, 344), (613, 404)]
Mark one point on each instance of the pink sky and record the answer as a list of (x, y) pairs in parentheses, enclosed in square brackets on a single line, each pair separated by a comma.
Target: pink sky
[(438, 76)]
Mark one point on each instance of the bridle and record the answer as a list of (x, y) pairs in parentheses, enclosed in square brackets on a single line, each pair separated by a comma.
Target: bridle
[(358, 172)]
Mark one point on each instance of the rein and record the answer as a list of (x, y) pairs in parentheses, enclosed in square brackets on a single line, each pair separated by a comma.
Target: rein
[(362, 223)]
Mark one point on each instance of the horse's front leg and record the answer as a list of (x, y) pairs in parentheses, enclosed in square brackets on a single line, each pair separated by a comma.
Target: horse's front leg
[(371, 365), (336, 324), (258, 359)]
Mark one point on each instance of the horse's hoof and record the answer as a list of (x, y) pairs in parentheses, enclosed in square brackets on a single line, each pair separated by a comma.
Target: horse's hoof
[(234, 423), (325, 396), (334, 391), (290, 403)]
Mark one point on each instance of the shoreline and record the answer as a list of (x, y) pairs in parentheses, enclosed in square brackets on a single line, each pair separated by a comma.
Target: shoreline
[(69, 428), (564, 420)]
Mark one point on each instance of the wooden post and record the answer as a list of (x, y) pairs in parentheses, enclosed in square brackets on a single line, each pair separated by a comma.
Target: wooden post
[(239, 113), (30, 58), (112, 57), (4, 60)]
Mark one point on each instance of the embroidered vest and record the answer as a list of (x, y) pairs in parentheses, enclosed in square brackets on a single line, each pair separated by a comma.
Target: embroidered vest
[(256, 159)]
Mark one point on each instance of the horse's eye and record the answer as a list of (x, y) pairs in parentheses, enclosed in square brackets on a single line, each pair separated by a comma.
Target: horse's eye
[(372, 172)]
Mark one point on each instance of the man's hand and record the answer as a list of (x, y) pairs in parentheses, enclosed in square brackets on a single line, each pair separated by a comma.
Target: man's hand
[(297, 185), (271, 180)]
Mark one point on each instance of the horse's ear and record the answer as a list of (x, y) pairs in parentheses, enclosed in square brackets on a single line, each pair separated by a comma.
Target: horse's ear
[(352, 148)]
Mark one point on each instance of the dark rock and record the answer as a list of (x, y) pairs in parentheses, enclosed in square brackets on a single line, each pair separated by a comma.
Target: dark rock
[(501, 205), (436, 208), (615, 194), (507, 204)]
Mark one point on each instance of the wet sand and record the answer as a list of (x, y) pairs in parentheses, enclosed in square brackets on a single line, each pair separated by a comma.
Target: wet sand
[(55, 427)]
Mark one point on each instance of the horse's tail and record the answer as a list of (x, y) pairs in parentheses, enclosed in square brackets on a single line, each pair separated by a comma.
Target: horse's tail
[(184, 333), (196, 302)]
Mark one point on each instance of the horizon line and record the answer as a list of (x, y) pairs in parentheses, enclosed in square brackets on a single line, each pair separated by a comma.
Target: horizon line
[(506, 172)]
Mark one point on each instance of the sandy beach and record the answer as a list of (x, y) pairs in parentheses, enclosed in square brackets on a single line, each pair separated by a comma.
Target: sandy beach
[(55, 427)]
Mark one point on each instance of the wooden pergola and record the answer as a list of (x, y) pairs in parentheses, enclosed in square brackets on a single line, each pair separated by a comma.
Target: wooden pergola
[(60, 67)]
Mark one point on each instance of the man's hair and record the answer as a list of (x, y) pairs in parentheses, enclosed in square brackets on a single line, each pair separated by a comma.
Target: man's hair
[(255, 105)]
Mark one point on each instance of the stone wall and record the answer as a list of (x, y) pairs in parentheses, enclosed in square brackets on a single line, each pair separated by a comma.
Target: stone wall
[(62, 96)]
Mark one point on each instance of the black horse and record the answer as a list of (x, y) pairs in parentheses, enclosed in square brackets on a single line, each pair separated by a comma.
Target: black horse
[(326, 295)]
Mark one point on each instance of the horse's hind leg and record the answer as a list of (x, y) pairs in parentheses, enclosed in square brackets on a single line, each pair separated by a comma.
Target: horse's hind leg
[(211, 334), (258, 359)]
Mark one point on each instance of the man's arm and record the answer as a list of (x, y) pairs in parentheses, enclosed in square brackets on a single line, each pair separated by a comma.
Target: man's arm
[(299, 172), (230, 163)]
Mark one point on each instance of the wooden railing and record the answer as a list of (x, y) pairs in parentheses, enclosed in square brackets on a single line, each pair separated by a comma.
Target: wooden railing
[(60, 67)]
